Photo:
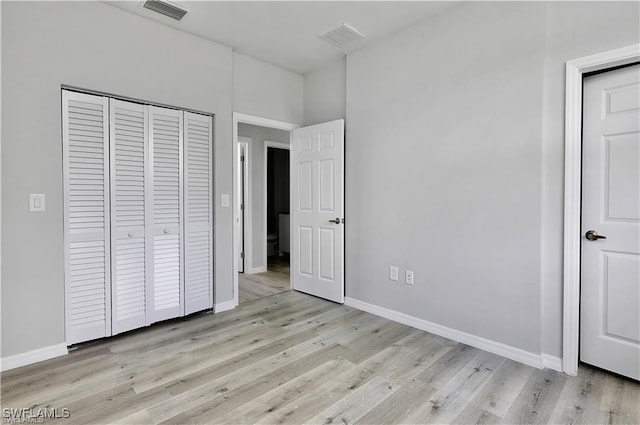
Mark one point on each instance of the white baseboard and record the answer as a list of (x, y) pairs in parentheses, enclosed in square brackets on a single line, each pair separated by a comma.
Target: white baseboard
[(33, 356), (551, 362), (532, 359), (227, 305), (256, 270)]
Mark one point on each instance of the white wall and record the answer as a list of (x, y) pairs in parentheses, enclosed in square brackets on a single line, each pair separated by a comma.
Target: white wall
[(266, 91), (258, 136), (454, 153), (325, 93), (100, 47)]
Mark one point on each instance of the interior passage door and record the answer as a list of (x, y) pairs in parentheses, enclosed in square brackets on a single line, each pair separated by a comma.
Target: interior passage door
[(317, 210), (610, 289)]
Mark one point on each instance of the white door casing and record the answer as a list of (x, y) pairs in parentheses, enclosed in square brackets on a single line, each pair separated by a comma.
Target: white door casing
[(165, 215), (242, 220), (317, 210), (87, 245), (610, 287), (129, 147)]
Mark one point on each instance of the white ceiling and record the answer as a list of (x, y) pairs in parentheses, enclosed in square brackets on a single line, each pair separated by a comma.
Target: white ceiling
[(286, 33)]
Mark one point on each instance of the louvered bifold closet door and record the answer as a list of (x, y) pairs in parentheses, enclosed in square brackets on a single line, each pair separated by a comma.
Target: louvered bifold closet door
[(165, 286), (86, 218), (198, 212), (129, 158)]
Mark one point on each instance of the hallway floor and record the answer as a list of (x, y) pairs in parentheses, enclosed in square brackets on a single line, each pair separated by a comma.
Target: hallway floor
[(274, 281)]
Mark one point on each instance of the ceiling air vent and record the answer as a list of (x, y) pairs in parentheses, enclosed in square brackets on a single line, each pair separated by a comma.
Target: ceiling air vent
[(166, 8), (342, 35)]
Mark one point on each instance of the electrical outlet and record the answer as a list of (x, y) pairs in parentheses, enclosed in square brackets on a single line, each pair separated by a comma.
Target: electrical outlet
[(409, 278), (393, 273)]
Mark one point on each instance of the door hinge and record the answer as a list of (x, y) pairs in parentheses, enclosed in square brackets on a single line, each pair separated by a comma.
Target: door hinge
[(242, 255), (242, 207), (242, 158)]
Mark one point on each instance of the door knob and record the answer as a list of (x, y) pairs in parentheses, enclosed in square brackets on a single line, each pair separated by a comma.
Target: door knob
[(336, 220), (130, 234), (166, 231), (592, 235)]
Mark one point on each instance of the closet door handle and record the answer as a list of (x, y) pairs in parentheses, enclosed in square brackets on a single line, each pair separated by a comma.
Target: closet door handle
[(166, 231), (130, 234)]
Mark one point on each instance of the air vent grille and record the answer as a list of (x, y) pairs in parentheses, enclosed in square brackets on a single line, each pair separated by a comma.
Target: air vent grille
[(342, 35), (166, 8)]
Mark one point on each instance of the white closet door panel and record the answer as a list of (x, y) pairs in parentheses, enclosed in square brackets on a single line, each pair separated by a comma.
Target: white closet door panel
[(165, 288), (129, 149), (198, 206), (86, 219)]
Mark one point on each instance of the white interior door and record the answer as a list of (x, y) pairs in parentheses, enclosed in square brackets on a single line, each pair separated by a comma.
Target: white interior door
[(317, 210), (129, 154), (198, 212), (166, 263), (85, 128), (610, 288)]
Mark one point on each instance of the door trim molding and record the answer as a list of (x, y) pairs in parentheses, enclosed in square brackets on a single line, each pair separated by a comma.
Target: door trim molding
[(277, 145), (248, 228), (239, 117), (575, 70)]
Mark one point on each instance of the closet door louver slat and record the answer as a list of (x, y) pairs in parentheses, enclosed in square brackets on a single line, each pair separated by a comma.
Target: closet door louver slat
[(86, 219), (165, 288), (129, 152), (198, 207)]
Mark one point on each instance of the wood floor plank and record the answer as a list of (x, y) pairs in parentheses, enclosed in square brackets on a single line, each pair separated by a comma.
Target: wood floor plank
[(355, 405), (395, 408), (497, 396), (580, 400), (451, 399), (448, 365), (268, 406), (620, 400), (472, 414), (285, 368), (538, 398)]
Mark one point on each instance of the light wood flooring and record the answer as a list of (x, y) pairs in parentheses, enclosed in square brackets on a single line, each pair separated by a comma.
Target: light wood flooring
[(275, 280), (291, 358)]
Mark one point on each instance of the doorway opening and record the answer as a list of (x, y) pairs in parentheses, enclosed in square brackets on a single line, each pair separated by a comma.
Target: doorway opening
[(261, 207), (276, 207)]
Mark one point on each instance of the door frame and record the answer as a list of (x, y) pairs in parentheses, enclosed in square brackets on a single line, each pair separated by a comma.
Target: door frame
[(244, 235), (277, 145), (238, 118), (575, 70)]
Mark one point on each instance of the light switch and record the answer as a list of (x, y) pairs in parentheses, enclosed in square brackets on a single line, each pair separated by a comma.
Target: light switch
[(225, 200), (36, 202)]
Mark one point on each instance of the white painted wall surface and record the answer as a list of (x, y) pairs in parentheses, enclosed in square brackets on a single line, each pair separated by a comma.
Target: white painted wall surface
[(454, 164), (99, 47), (266, 90), (258, 136), (325, 93)]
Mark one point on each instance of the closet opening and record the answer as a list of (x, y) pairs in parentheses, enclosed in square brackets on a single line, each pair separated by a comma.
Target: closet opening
[(138, 214)]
